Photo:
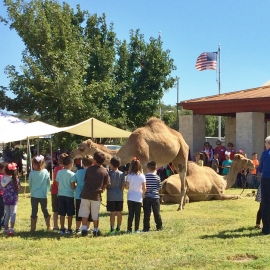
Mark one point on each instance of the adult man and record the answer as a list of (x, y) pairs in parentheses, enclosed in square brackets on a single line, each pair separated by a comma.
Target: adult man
[(264, 168)]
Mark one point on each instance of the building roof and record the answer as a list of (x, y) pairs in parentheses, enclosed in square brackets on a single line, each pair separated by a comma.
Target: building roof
[(249, 100)]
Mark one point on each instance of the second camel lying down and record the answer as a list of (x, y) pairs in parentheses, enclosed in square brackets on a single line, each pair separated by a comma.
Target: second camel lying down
[(204, 183)]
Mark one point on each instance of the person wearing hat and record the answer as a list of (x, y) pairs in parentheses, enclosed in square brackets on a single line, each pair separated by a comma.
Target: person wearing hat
[(208, 150), (220, 150)]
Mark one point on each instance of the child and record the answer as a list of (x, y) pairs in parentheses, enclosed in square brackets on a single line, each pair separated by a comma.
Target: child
[(10, 185), (226, 164), (87, 161), (95, 182), (255, 182), (199, 158), (215, 163), (39, 184), (135, 183), (64, 179), (151, 200), (54, 191), (115, 194), (259, 215), (2, 212)]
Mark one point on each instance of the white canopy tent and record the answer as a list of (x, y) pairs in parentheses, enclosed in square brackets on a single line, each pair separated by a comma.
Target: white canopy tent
[(28, 131)]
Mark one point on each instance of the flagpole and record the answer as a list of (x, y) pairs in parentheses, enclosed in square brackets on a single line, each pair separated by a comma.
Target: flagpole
[(219, 117)]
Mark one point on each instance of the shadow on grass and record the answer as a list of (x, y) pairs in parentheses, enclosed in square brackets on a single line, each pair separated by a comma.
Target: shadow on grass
[(37, 235), (237, 233)]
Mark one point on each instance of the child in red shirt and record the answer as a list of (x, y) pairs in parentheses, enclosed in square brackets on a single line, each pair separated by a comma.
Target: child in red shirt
[(54, 191)]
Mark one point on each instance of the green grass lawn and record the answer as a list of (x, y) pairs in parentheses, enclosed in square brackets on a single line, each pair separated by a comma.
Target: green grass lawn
[(206, 235)]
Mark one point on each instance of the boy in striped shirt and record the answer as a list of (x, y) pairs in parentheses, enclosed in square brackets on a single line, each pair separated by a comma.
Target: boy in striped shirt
[(151, 200)]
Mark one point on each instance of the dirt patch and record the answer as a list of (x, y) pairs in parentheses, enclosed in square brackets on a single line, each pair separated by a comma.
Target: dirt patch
[(242, 258)]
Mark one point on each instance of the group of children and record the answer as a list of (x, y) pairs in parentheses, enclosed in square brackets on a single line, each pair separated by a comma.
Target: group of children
[(87, 184)]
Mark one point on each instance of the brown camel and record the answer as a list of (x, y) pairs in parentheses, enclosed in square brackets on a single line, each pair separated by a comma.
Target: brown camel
[(204, 183), (155, 141)]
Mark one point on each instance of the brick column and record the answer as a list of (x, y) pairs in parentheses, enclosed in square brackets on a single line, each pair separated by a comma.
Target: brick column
[(250, 132), (192, 128)]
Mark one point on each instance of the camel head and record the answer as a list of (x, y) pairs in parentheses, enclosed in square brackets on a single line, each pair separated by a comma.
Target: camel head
[(88, 147), (85, 148), (242, 162)]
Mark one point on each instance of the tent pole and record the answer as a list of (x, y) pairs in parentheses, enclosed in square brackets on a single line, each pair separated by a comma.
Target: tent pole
[(30, 155), (29, 158), (51, 158), (92, 128), (38, 146)]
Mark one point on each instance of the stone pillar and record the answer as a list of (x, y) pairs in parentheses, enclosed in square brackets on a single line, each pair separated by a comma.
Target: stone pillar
[(250, 130), (192, 128), (230, 131), (267, 129)]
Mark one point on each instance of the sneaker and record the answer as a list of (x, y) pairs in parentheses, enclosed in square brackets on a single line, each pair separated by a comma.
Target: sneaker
[(128, 232), (258, 226), (96, 234), (145, 230), (55, 229), (84, 232), (69, 231), (62, 231), (111, 232), (11, 232), (90, 230), (138, 231), (78, 231), (117, 232), (5, 231), (160, 229)]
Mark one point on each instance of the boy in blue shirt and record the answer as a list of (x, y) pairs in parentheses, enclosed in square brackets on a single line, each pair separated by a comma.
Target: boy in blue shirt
[(87, 161), (64, 179), (115, 196)]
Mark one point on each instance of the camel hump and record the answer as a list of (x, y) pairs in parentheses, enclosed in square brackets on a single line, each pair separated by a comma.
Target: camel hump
[(154, 121)]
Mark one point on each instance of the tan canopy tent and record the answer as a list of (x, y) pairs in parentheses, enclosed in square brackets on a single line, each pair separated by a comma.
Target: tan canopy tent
[(94, 128)]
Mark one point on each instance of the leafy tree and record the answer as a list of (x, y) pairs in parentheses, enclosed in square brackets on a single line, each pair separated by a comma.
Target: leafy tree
[(74, 67), (54, 60)]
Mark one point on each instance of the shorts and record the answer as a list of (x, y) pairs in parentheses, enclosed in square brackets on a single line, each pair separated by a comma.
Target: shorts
[(114, 206), (78, 203), (54, 203), (88, 206), (66, 206)]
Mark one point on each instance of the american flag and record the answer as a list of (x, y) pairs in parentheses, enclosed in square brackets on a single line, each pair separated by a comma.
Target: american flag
[(207, 60)]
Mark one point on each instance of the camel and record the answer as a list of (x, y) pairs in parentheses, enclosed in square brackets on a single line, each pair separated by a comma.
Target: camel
[(204, 183), (155, 141)]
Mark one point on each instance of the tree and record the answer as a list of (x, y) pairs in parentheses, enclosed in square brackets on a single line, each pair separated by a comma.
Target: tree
[(74, 67), (54, 61)]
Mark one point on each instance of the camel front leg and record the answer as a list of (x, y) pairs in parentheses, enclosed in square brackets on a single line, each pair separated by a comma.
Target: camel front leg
[(182, 175)]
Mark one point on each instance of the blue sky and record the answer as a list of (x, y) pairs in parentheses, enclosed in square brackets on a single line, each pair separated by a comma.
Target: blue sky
[(188, 28)]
